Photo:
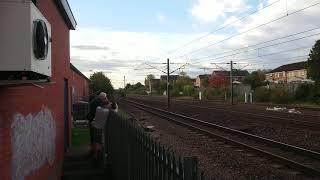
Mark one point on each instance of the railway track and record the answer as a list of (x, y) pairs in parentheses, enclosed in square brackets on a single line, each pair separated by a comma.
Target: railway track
[(300, 159), (259, 117)]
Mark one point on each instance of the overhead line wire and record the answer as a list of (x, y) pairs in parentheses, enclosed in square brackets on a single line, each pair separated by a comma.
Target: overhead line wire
[(222, 27), (248, 30)]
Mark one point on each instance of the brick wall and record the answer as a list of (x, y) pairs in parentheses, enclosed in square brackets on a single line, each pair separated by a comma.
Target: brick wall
[(80, 87), (27, 112)]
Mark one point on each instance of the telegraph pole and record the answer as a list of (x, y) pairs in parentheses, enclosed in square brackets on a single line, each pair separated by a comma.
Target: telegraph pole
[(231, 82), (124, 82), (168, 81), (150, 87)]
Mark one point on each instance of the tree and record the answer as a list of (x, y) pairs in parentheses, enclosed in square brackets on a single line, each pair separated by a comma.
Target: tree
[(148, 81), (313, 63), (100, 82), (255, 79), (218, 81), (183, 74), (205, 82), (137, 88)]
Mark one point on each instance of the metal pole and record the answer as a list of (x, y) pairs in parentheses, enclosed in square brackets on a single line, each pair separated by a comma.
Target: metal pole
[(168, 93), (231, 82), (150, 88), (124, 82)]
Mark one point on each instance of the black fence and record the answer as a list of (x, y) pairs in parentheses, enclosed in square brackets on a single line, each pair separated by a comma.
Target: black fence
[(135, 155)]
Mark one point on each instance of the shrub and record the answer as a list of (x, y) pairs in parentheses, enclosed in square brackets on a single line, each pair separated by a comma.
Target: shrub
[(261, 94), (303, 92), (308, 93), (315, 94), (280, 96)]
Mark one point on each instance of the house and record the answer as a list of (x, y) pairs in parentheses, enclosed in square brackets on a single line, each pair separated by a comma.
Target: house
[(200, 78), (238, 75), (80, 85), (172, 78), (35, 116), (288, 73)]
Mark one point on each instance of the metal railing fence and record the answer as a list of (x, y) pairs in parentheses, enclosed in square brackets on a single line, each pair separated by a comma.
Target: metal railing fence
[(135, 155)]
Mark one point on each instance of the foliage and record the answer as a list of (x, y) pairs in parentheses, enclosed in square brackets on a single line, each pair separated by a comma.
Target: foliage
[(188, 90), (303, 92), (148, 79), (137, 88), (218, 81), (255, 79), (100, 82), (280, 96), (80, 137), (162, 87), (313, 63), (308, 93), (205, 82), (183, 85), (261, 94), (214, 93)]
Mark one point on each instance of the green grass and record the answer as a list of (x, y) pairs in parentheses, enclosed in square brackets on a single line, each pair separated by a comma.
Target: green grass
[(80, 137)]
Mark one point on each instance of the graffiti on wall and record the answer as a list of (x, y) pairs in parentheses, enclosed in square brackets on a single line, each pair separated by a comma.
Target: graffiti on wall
[(33, 142)]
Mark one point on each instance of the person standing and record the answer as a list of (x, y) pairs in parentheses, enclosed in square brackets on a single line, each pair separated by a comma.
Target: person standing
[(100, 100)]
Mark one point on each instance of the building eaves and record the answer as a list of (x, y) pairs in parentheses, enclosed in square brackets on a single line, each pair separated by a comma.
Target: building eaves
[(72, 67), (290, 67), (65, 11)]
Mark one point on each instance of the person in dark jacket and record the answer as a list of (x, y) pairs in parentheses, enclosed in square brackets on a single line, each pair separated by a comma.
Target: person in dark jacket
[(101, 100)]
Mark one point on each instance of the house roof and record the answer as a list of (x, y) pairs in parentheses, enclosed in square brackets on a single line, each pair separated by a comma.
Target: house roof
[(65, 11), (236, 72), (290, 67), (202, 76), (72, 67), (171, 77)]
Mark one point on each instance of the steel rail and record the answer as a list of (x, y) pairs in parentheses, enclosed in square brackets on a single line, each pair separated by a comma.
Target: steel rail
[(307, 124), (304, 168)]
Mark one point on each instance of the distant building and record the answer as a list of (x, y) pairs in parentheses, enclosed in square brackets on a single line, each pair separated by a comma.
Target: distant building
[(200, 78), (288, 73), (155, 81), (238, 75), (172, 78), (79, 84)]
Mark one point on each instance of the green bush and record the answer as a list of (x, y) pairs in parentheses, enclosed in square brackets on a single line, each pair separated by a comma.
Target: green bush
[(308, 93), (280, 96), (261, 94), (315, 94), (303, 92), (188, 90)]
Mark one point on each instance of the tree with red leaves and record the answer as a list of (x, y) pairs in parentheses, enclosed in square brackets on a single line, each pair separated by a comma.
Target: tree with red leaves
[(218, 81)]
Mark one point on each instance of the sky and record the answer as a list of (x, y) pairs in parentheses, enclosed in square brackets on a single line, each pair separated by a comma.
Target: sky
[(134, 38)]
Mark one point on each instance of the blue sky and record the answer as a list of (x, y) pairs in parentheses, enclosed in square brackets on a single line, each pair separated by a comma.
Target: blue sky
[(119, 36), (143, 15)]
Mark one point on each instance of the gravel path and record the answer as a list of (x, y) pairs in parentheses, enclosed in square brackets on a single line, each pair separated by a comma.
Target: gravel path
[(217, 159), (305, 138)]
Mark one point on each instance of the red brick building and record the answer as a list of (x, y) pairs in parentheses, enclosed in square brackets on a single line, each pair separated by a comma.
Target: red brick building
[(35, 117), (80, 85)]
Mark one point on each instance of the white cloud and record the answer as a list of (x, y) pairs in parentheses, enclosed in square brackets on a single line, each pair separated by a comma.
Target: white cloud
[(161, 17), (291, 24), (118, 50), (210, 10), (126, 51)]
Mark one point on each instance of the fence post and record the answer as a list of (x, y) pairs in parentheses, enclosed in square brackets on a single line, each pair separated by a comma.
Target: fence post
[(190, 165), (180, 169)]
